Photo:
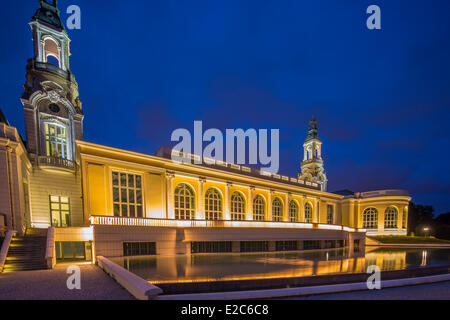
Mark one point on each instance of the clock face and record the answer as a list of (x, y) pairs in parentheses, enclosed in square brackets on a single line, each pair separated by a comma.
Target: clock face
[(54, 107)]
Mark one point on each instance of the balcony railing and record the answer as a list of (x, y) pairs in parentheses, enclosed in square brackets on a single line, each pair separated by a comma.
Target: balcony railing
[(154, 222), (56, 162), (384, 193), (51, 68)]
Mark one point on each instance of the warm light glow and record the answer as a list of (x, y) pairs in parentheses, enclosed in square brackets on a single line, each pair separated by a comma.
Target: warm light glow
[(154, 222)]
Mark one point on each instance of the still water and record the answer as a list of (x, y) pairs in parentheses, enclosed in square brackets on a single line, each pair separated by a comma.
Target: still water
[(238, 266)]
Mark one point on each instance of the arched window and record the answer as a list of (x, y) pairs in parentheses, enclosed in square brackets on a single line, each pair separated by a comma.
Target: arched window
[(390, 218), (237, 206), (259, 208), (293, 211), (277, 210), (213, 205), (370, 218), (51, 50), (308, 213), (184, 202)]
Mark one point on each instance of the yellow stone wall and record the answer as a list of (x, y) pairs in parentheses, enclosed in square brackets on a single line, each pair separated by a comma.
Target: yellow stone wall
[(161, 177)]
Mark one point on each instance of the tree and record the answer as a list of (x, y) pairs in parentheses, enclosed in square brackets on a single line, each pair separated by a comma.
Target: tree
[(419, 217), (441, 226)]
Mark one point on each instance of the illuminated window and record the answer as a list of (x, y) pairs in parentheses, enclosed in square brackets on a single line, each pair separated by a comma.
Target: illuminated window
[(184, 202), (259, 208), (390, 218), (370, 218), (330, 214), (308, 213), (56, 141), (127, 194), (286, 245), (293, 211), (277, 210), (237, 206), (213, 205), (60, 211)]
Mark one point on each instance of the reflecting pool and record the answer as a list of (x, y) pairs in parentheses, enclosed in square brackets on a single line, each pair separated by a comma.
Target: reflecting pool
[(239, 266)]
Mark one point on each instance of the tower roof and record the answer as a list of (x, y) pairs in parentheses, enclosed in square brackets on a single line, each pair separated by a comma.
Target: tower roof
[(313, 132), (3, 118), (49, 14)]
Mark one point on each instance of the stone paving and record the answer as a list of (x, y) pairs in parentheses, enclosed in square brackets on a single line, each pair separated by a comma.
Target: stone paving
[(51, 285)]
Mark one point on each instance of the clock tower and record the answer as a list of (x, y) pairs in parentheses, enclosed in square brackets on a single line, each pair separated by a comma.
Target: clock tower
[(312, 169), (53, 113), (53, 122)]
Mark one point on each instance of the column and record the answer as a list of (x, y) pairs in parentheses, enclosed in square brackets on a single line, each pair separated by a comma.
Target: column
[(201, 200), (250, 203), (381, 214), (269, 206), (227, 202), (316, 211), (404, 219), (286, 208), (301, 211), (170, 199)]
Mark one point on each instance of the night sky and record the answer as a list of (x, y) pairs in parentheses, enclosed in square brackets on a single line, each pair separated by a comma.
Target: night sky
[(145, 68)]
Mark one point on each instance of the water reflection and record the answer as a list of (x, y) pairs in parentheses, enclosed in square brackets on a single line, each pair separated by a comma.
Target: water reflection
[(213, 267)]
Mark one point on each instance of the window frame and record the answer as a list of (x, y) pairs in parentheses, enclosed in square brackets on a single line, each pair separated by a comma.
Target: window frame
[(277, 210), (213, 205), (259, 208), (137, 213), (293, 204), (309, 218), (181, 212), (330, 220), (391, 218), (238, 207), (60, 211), (371, 223), (55, 141)]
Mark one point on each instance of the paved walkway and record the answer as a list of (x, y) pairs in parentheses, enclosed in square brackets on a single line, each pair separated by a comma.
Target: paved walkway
[(434, 291), (51, 285)]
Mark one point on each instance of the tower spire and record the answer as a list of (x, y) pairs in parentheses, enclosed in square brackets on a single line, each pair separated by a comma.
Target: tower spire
[(312, 169)]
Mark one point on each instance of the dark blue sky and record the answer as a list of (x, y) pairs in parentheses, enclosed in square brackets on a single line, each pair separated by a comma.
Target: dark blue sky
[(145, 68)]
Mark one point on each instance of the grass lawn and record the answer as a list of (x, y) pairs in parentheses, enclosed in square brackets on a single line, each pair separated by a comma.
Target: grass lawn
[(409, 240)]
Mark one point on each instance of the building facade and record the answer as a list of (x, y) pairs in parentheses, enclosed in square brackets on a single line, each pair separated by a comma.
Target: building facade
[(106, 201)]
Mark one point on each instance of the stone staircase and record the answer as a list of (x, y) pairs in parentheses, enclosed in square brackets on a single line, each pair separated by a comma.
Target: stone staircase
[(27, 252)]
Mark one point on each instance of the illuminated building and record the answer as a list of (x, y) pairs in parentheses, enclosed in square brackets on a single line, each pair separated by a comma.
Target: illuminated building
[(117, 202)]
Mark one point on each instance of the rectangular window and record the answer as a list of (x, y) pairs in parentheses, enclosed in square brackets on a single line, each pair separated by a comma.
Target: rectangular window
[(330, 244), (286, 246), (211, 247), (56, 141), (72, 251), (254, 246), (330, 214), (311, 244), (127, 194), (60, 211), (139, 249)]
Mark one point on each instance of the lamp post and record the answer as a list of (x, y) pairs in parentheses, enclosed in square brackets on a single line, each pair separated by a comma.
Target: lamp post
[(426, 231)]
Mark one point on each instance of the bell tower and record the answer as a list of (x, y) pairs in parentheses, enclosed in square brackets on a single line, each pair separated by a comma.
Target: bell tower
[(312, 169), (53, 111)]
